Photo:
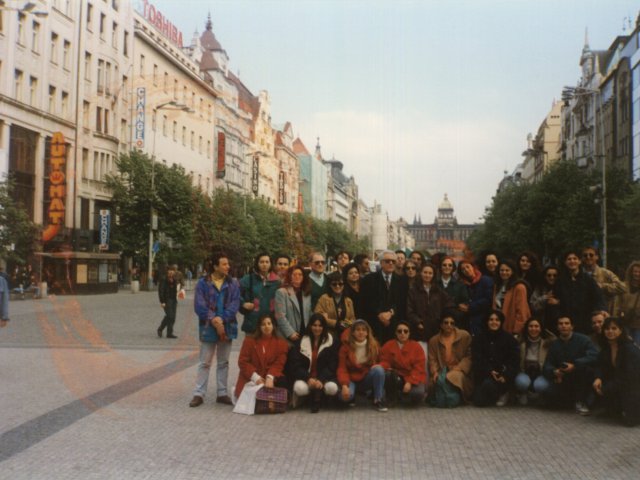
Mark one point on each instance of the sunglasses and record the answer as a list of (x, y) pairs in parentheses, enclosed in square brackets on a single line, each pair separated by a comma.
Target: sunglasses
[(411, 267), (388, 260), (337, 284), (402, 330), (319, 262)]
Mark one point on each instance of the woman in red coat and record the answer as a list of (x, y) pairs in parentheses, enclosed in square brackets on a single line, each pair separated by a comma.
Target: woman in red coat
[(404, 360), (262, 357)]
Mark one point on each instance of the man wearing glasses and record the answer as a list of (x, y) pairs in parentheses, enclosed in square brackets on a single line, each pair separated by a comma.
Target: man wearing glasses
[(318, 278), (608, 282), (384, 298)]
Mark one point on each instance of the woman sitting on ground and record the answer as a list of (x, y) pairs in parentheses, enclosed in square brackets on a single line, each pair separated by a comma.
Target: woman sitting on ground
[(495, 356), (358, 368), (335, 306), (534, 345), (313, 363), (451, 349), (404, 361), (262, 357), (618, 372)]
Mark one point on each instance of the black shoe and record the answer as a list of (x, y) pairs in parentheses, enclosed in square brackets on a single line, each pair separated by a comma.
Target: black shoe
[(171, 335), (159, 332)]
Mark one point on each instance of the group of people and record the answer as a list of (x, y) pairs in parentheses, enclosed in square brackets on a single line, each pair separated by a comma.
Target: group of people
[(484, 332)]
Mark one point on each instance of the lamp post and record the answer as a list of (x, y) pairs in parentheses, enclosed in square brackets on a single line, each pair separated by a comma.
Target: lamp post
[(569, 93), (178, 107)]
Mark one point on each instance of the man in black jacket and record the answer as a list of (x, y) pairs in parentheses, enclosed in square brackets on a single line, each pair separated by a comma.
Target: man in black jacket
[(384, 298), (168, 294)]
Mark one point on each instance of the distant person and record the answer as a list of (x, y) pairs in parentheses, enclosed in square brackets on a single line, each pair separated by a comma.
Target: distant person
[(168, 295), (4, 301), (569, 368), (627, 305), (216, 302)]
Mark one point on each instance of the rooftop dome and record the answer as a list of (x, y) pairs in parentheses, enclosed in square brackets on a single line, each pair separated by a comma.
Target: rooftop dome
[(445, 204)]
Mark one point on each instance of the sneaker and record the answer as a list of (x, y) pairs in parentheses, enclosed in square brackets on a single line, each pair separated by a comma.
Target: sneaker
[(523, 399), (582, 409), (380, 405), (503, 400)]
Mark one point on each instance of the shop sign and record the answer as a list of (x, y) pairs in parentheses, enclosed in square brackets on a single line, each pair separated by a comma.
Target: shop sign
[(57, 186), (140, 106), (105, 227)]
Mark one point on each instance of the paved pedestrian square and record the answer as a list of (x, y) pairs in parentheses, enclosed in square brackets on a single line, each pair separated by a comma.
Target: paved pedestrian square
[(90, 392)]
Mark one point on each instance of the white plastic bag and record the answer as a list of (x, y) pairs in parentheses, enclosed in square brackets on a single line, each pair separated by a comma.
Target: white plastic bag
[(246, 403)]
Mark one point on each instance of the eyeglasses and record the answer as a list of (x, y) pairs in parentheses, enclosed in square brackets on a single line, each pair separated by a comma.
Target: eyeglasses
[(409, 267), (388, 260), (337, 284), (588, 255), (319, 262), (402, 330)]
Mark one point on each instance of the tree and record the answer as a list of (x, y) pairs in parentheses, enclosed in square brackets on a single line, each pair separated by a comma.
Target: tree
[(18, 234)]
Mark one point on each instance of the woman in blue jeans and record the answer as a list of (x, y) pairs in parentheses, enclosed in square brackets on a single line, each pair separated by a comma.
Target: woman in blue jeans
[(534, 345), (358, 368)]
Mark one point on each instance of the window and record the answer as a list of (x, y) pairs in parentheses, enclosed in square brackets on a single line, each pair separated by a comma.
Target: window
[(125, 44), (85, 163), (125, 88), (96, 165), (100, 76), (87, 66), (52, 99), (22, 19), (65, 104), (102, 25), (86, 107), (200, 144), (114, 36), (89, 16), (155, 75), (193, 138), (66, 52), (114, 4), (175, 131), (54, 47), (209, 112), (201, 108), (35, 37), (184, 135), (123, 130), (175, 89), (107, 79), (18, 84), (106, 121), (154, 114), (99, 119), (33, 91), (193, 100), (184, 94), (208, 148), (142, 66), (166, 82)]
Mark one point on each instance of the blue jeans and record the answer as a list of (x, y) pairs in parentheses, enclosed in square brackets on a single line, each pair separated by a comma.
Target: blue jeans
[(373, 379), (523, 382), (207, 350)]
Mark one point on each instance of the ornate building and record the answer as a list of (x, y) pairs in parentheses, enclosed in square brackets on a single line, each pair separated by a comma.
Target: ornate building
[(445, 234)]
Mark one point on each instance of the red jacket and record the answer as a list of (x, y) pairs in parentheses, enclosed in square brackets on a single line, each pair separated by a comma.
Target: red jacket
[(409, 362), (265, 356), (348, 369)]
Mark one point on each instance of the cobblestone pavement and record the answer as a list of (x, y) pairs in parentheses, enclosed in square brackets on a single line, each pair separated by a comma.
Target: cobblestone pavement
[(90, 392)]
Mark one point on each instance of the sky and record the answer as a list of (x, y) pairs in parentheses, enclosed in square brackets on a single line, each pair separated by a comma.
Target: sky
[(415, 98)]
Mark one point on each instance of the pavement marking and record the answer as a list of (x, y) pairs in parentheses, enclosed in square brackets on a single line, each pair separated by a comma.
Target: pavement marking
[(33, 431)]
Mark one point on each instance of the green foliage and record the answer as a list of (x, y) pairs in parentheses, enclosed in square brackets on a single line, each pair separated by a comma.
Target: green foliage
[(561, 212), (16, 228), (239, 225)]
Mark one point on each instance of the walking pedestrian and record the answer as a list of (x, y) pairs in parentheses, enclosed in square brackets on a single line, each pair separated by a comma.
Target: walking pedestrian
[(168, 295)]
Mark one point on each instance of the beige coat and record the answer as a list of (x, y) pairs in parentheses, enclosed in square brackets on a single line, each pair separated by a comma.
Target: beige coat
[(627, 304), (461, 350), (327, 307)]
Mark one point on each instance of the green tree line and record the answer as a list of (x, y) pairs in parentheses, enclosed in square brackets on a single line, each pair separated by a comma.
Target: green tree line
[(563, 211), (193, 224)]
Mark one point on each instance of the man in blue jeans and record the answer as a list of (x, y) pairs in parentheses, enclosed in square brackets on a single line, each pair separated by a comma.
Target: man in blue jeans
[(216, 302)]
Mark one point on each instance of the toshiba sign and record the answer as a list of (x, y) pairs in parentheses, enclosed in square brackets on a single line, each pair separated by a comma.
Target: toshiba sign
[(162, 23)]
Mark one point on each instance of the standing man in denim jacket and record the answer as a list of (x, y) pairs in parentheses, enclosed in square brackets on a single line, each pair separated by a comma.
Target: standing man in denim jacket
[(217, 299)]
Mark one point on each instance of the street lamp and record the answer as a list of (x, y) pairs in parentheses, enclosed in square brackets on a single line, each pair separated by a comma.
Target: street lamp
[(27, 8), (178, 107), (569, 93)]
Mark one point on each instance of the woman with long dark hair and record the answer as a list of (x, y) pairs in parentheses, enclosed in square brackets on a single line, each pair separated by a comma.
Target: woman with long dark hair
[(510, 297), (351, 278), (529, 270), (262, 357), (618, 372), (488, 264), (257, 292), (544, 301), (425, 303), (534, 344), (293, 304), (336, 307), (313, 363)]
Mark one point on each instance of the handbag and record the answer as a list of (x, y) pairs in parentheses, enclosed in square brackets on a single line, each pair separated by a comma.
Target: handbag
[(446, 395), (271, 400), (246, 403)]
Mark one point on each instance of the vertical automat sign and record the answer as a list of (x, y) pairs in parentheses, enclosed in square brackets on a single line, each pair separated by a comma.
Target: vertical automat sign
[(281, 190), (140, 106), (255, 175), (105, 226), (57, 186)]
